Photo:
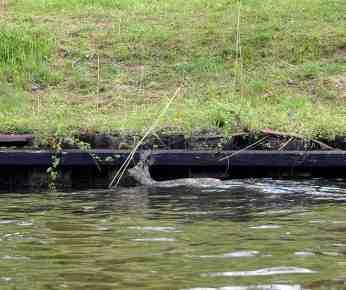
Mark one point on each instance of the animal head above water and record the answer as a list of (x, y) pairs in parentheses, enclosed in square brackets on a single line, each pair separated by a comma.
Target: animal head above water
[(141, 173)]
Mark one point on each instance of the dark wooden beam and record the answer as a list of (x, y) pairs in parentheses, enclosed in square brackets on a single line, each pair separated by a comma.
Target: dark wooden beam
[(250, 158), (43, 158), (253, 158), (15, 139)]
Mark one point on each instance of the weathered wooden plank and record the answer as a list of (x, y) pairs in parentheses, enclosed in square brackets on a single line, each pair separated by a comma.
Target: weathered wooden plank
[(25, 158), (68, 158), (251, 159), (15, 139), (22, 138), (106, 157)]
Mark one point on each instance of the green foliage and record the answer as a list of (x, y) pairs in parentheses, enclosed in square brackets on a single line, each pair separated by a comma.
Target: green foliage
[(24, 54), (11, 100), (75, 4), (115, 63)]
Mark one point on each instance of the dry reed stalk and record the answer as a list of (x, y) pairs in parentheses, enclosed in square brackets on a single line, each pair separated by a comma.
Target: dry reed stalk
[(239, 57), (38, 104), (283, 146), (98, 84), (120, 173), (244, 149)]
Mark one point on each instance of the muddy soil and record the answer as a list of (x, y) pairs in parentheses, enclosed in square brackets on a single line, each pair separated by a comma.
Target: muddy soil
[(207, 140), (162, 140)]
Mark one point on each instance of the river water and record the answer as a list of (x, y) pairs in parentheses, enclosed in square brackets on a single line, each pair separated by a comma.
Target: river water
[(249, 234)]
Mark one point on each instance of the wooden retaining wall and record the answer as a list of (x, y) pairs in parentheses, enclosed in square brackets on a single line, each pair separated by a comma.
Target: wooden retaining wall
[(26, 170)]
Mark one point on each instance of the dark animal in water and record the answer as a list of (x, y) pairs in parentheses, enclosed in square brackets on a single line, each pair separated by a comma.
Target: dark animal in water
[(142, 175)]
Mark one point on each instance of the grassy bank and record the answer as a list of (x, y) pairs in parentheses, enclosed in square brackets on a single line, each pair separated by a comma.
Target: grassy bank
[(108, 65)]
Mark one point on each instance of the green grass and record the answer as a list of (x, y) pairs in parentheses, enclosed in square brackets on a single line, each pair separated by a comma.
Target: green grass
[(13, 100), (24, 54), (111, 65)]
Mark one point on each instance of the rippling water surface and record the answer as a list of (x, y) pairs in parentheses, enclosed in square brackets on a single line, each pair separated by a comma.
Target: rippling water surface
[(250, 234)]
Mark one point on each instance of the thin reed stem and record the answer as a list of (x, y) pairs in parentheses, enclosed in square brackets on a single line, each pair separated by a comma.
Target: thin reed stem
[(118, 176), (98, 83)]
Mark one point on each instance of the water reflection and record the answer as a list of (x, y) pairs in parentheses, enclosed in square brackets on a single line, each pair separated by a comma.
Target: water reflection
[(246, 234), (263, 272), (255, 287)]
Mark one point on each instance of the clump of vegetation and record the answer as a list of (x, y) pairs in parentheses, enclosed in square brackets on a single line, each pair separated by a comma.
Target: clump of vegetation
[(24, 54), (111, 65), (13, 100)]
